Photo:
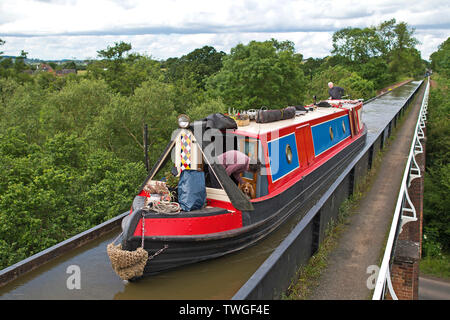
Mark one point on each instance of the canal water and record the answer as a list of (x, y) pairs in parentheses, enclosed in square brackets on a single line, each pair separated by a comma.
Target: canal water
[(220, 278)]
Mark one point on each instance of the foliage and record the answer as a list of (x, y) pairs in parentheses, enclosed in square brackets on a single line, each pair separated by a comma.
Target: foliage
[(22, 109), (10, 69), (437, 177), (75, 107), (206, 108), (377, 70), (124, 72), (353, 84), (197, 65), (119, 125), (382, 53), (357, 45), (436, 266), (260, 74), (51, 192), (440, 60)]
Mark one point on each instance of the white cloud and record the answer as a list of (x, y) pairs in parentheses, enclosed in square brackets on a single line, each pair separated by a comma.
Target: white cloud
[(56, 29)]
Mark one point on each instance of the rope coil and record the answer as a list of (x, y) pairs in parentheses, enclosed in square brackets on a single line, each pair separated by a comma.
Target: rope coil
[(165, 207)]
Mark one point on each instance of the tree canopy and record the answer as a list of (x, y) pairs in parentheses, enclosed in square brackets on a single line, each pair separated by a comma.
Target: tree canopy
[(437, 175), (382, 53), (260, 74), (440, 59)]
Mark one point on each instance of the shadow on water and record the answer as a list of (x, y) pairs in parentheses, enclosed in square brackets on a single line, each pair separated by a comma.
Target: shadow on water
[(220, 278)]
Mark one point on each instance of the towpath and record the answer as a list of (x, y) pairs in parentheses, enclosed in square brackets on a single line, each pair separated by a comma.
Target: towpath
[(361, 244)]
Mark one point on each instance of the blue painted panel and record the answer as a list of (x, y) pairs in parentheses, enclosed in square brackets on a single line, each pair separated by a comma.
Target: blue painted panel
[(321, 134), (279, 165)]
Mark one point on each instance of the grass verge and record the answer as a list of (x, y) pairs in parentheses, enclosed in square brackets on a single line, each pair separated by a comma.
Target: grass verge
[(436, 266)]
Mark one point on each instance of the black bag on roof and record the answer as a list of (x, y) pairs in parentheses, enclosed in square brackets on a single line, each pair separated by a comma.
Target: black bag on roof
[(288, 113), (220, 121), (300, 108), (324, 104), (266, 116)]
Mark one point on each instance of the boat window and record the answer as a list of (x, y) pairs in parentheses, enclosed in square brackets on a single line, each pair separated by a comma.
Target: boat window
[(249, 146), (288, 153)]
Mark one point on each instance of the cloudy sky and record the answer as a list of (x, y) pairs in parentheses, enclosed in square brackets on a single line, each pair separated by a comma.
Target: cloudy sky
[(58, 29)]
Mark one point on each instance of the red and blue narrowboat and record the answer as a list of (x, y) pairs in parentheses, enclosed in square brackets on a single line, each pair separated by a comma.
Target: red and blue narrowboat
[(298, 155)]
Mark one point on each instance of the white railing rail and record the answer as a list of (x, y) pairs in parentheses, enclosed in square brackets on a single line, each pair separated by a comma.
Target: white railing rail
[(404, 210)]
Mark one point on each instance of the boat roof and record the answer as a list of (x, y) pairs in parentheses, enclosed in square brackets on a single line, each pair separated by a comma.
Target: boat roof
[(261, 128)]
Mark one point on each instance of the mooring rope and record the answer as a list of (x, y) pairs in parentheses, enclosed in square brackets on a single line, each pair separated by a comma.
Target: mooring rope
[(165, 207)]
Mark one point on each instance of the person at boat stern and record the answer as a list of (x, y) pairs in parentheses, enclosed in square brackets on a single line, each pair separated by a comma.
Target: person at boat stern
[(335, 92), (235, 163)]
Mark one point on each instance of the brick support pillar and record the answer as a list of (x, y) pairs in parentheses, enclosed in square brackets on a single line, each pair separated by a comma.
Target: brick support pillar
[(405, 270)]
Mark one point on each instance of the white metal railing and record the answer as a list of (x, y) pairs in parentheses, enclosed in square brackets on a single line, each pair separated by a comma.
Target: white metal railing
[(404, 210)]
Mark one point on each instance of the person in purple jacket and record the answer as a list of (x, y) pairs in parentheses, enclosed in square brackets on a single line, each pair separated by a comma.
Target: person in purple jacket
[(235, 163)]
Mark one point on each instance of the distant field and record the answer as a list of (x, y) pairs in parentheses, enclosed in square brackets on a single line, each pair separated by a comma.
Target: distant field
[(81, 72)]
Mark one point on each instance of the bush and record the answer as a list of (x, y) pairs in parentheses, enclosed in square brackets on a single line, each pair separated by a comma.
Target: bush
[(437, 177)]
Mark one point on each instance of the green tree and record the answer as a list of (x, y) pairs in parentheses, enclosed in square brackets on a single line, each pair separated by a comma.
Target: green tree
[(123, 71), (206, 108), (22, 109), (115, 53), (119, 126), (6, 68), (357, 45), (376, 70), (370, 50), (386, 34), (197, 65), (402, 54), (75, 107), (440, 59), (19, 63), (437, 176), (51, 192), (260, 74), (7, 88)]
